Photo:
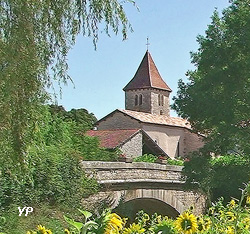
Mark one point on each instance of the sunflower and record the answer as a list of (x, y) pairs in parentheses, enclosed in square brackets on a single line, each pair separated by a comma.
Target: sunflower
[(186, 223), (114, 224), (134, 229)]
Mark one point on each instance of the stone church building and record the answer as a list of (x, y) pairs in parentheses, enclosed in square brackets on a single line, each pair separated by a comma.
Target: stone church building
[(145, 126)]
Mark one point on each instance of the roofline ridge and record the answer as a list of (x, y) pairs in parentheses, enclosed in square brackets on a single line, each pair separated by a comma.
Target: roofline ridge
[(149, 68)]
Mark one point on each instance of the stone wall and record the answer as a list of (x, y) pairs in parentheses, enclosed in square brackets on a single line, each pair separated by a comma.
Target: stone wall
[(155, 107), (130, 100), (118, 121), (150, 103), (136, 172), (133, 147), (129, 181)]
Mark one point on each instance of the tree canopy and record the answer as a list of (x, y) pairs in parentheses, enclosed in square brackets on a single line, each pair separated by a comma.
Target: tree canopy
[(35, 37), (216, 99)]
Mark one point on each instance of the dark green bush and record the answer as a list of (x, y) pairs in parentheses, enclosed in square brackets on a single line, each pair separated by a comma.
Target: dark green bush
[(217, 177)]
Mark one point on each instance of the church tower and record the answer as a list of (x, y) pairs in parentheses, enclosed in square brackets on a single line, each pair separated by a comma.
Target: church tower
[(147, 91)]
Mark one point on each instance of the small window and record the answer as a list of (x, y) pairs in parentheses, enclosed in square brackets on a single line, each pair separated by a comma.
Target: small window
[(140, 99), (159, 99), (136, 100), (161, 112)]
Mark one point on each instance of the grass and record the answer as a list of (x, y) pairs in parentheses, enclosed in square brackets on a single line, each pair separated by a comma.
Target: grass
[(44, 214)]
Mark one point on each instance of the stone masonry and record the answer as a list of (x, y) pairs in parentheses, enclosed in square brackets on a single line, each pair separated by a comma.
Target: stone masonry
[(129, 181)]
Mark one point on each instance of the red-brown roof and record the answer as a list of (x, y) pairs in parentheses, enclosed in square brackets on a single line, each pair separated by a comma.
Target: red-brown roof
[(147, 76), (112, 138)]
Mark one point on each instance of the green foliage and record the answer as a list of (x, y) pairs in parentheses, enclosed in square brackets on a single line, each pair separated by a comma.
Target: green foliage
[(146, 158), (35, 37), (177, 162), (82, 227), (107, 222), (53, 174), (83, 119), (2, 222), (218, 177), (216, 98)]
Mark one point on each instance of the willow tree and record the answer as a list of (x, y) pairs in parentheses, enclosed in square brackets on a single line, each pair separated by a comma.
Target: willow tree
[(35, 37)]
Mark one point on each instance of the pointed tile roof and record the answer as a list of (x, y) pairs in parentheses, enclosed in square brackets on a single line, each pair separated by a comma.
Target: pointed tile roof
[(147, 76)]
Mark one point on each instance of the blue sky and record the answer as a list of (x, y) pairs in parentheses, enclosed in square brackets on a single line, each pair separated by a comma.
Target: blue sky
[(100, 75)]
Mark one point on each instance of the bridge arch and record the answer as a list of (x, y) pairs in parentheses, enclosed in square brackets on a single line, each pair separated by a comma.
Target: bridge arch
[(148, 205), (168, 197), (137, 182)]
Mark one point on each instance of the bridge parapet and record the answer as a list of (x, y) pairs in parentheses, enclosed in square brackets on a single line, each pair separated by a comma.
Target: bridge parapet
[(137, 172)]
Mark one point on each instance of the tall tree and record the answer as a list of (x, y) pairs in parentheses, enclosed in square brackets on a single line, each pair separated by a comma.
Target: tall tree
[(35, 37), (83, 119), (216, 100)]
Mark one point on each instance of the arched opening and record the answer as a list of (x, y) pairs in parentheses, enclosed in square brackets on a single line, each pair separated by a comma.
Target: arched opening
[(159, 99), (149, 205), (162, 100), (140, 99), (136, 100)]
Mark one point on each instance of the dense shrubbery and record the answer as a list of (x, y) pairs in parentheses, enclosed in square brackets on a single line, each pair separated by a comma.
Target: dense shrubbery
[(217, 177), (52, 173)]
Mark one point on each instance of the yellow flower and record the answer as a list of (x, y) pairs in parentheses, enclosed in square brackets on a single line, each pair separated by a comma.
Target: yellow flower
[(41, 229), (232, 203), (207, 223), (246, 223), (204, 223), (186, 223), (230, 230), (248, 200), (230, 216), (114, 224), (134, 228), (66, 231)]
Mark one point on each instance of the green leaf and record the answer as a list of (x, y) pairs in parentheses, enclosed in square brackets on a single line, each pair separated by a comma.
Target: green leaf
[(86, 214), (72, 222)]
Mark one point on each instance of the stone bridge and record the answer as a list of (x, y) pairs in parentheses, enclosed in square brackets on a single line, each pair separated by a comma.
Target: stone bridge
[(148, 186)]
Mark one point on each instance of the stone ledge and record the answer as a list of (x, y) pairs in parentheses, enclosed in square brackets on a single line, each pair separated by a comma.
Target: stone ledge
[(100, 165), (120, 181)]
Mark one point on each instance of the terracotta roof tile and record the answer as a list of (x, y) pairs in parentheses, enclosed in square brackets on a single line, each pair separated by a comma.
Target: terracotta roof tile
[(112, 138), (157, 119), (147, 76)]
